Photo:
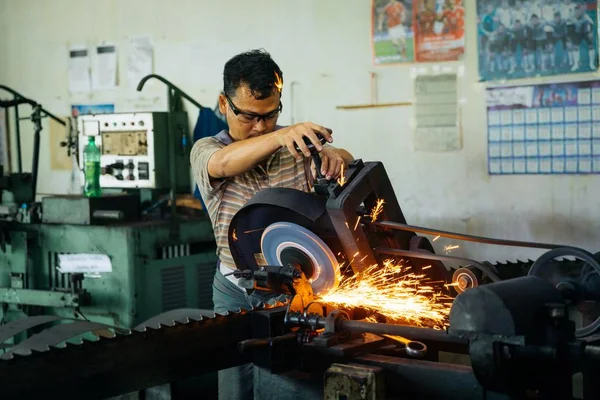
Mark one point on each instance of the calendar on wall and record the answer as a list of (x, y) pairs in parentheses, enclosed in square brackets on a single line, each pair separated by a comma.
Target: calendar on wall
[(544, 129)]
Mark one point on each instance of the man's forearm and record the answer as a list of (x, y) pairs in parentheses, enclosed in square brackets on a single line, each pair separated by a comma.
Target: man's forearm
[(242, 156)]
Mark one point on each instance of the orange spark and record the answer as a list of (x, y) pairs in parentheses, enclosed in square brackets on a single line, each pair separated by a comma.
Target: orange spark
[(255, 230), (450, 248), (234, 235), (377, 210), (436, 238), (406, 299), (357, 221), (427, 267), (278, 82), (363, 259), (342, 179)]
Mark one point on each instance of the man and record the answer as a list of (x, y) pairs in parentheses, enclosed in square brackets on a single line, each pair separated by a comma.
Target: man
[(520, 40), (539, 42), (453, 19), (504, 14), (426, 19), (547, 11), (557, 37), (487, 25), (395, 14), (582, 33), (253, 155), (499, 50)]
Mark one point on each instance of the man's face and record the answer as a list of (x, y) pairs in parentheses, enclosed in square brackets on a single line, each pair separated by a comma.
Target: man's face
[(245, 125)]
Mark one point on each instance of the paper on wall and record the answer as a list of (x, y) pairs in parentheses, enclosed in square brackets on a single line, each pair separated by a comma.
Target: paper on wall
[(436, 113), (79, 69), (84, 263), (104, 73), (140, 59)]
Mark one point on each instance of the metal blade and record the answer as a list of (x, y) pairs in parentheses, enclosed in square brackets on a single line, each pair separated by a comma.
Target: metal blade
[(15, 327)]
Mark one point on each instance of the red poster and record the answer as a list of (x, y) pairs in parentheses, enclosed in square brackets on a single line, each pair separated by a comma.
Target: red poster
[(439, 27)]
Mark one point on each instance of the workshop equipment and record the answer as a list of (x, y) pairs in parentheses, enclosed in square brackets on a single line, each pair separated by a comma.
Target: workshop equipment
[(515, 330), (135, 148), (154, 265), (20, 187)]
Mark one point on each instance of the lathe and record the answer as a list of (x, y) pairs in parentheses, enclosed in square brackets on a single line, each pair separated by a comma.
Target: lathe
[(515, 329), (524, 328)]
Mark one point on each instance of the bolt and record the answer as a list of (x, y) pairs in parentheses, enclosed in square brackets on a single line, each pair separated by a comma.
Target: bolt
[(463, 282), (556, 310)]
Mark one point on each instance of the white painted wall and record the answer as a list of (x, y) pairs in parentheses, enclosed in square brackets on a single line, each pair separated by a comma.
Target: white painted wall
[(324, 45)]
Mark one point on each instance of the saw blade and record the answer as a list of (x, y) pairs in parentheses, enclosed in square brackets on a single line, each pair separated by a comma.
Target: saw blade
[(283, 241)]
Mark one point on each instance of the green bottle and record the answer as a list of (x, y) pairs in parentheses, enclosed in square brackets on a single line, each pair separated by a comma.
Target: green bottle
[(91, 169)]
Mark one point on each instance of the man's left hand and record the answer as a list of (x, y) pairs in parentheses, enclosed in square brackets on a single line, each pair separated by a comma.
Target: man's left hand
[(331, 163)]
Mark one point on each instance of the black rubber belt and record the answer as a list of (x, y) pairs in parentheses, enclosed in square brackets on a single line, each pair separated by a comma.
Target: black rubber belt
[(460, 236), (430, 256)]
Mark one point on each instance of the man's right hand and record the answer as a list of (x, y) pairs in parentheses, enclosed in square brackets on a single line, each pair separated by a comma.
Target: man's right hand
[(293, 136)]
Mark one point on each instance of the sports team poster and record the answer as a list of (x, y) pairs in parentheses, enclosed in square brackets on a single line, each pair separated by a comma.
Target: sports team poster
[(544, 129), (527, 38), (439, 30), (417, 30)]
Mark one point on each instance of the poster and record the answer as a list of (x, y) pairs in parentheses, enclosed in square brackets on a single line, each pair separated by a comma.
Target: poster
[(520, 39), (417, 30), (439, 27), (86, 109), (393, 36), (544, 129)]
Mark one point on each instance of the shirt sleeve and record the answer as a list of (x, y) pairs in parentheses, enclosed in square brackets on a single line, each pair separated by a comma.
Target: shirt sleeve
[(201, 153)]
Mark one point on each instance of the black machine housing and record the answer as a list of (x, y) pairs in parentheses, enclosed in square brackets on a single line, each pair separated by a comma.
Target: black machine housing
[(332, 213)]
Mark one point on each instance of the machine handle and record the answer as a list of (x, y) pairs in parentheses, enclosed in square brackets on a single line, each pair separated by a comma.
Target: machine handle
[(413, 348), (313, 151)]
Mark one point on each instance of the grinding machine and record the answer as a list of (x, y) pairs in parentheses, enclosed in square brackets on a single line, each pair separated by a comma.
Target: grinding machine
[(513, 321)]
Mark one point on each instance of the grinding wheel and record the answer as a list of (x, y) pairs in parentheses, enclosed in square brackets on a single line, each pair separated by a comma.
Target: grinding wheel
[(286, 243)]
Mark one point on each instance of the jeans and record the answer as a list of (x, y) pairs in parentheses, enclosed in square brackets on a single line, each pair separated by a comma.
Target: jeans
[(247, 382)]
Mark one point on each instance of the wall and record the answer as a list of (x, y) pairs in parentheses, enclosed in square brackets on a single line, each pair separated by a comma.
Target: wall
[(324, 46)]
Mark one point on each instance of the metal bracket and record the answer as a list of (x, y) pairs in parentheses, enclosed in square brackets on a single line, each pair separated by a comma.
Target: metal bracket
[(44, 298)]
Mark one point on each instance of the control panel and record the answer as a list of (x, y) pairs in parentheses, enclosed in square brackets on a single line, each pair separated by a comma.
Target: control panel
[(135, 148)]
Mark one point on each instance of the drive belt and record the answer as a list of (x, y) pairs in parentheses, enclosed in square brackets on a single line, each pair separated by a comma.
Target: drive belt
[(469, 238), (435, 257)]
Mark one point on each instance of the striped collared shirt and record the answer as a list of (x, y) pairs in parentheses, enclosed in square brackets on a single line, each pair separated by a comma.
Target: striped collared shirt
[(224, 199)]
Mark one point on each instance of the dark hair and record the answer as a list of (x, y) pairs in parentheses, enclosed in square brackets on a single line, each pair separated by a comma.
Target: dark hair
[(254, 69)]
